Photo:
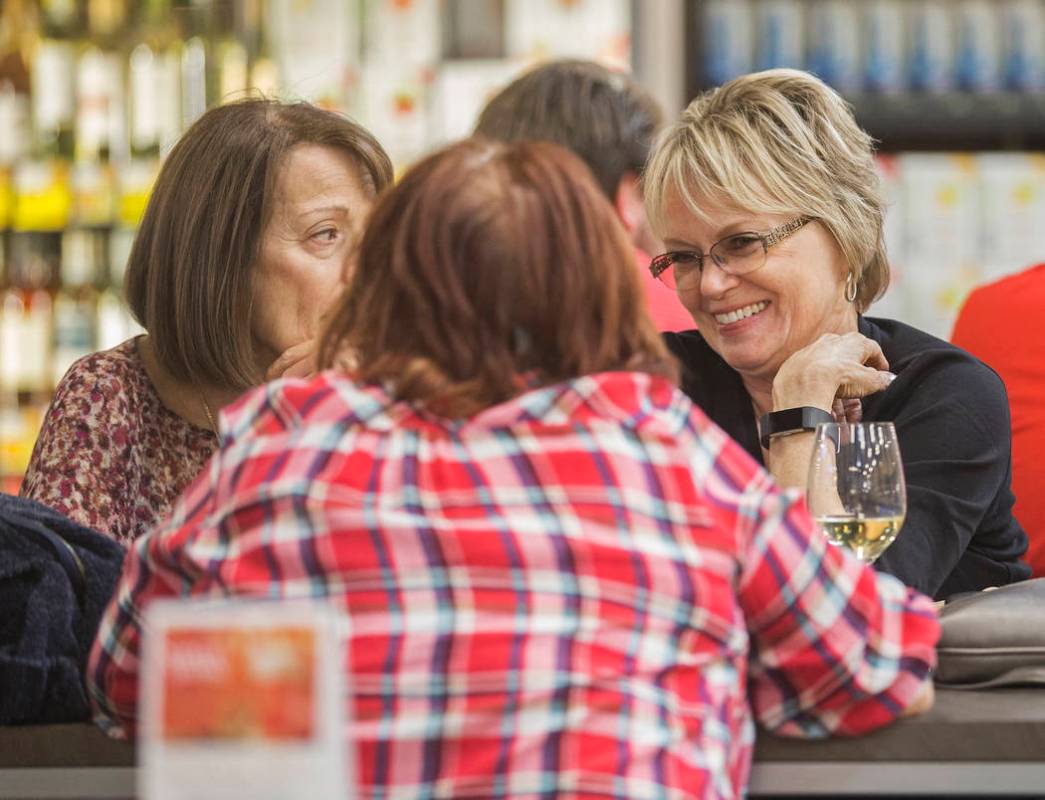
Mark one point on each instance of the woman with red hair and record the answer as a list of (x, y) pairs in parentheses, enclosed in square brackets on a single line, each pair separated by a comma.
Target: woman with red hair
[(562, 580)]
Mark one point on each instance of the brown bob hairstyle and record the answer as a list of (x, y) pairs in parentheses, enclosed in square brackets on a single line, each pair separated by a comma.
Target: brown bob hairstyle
[(189, 274), (487, 269)]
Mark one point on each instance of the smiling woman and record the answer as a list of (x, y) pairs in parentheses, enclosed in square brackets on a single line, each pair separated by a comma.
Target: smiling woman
[(766, 196), (249, 235)]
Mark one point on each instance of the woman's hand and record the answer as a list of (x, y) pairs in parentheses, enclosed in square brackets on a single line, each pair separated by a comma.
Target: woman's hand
[(299, 361), (850, 410), (922, 702), (833, 367)]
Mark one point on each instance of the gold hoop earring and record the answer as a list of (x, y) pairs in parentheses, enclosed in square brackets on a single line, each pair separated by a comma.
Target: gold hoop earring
[(850, 287)]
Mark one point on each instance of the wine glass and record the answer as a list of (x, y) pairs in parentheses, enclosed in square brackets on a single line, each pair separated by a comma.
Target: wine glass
[(856, 486)]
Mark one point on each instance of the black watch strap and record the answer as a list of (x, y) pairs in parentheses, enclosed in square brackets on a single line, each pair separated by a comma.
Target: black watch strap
[(790, 420)]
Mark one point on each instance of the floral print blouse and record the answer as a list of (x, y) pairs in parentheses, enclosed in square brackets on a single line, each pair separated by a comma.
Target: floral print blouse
[(110, 455)]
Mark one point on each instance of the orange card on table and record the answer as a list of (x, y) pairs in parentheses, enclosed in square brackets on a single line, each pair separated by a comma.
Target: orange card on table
[(242, 699)]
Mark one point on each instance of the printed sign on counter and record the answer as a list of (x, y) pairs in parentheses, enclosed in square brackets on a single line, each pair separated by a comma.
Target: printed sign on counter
[(242, 699)]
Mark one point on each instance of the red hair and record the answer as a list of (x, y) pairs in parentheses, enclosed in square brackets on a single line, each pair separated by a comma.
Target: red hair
[(486, 263)]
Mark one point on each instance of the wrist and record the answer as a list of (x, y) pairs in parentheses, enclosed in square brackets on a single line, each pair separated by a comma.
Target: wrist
[(820, 397), (803, 389), (790, 421)]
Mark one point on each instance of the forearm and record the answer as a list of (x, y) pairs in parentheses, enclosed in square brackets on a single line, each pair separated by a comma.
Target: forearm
[(788, 459), (846, 666)]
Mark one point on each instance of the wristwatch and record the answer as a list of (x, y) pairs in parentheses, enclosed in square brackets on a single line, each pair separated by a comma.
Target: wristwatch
[(790, 420)]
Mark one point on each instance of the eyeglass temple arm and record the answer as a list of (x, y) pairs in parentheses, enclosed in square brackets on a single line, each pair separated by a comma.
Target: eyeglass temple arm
[(785, 230)]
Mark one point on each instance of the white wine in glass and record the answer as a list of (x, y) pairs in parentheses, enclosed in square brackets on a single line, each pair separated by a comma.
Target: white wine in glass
[(856, 486)]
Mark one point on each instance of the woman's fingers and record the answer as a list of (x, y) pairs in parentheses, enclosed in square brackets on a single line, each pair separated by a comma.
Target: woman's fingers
[(848, 410), (298, 361), (846, 366), (860, 381), (872, 355)]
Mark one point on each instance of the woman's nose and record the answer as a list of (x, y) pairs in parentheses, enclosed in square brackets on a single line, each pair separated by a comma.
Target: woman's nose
[(714, 280)]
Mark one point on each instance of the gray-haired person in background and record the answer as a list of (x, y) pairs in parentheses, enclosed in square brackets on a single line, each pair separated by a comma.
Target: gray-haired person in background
[(608, 120)]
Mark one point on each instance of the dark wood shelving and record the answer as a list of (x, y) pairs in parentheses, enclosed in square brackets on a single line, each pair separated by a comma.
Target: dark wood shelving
[(958, 121)]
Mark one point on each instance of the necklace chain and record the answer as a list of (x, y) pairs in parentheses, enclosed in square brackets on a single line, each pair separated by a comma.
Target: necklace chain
[(207, 411)]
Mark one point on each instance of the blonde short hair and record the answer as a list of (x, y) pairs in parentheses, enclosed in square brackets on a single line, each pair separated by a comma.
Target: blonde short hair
[(778, 142)]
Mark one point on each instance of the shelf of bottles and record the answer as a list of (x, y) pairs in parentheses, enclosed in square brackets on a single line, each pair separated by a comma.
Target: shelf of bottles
[(921, 74), (94, 92)]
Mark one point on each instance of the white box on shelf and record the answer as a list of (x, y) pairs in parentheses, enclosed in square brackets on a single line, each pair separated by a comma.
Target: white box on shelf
[(1013, 211), (941, 201), (317, 47), (943, 257), (403, 31), (892, 304), (395, 107), (537, 30), (462, 89)]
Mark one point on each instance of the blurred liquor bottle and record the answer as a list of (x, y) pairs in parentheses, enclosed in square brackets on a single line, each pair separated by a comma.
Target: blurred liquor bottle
[(15, 35), (100, 144), (197, 82), (16, 26), (153, 81), (264, 78)]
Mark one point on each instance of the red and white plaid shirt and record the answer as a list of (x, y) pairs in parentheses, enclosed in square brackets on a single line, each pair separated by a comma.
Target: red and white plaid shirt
[(580, 593)]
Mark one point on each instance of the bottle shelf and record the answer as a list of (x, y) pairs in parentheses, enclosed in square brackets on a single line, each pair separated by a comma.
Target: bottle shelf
[(954, 121), (962, 75)]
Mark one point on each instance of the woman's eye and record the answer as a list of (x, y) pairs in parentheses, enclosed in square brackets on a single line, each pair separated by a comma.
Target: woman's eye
[(325, 236), (741, 244), (686, 263)]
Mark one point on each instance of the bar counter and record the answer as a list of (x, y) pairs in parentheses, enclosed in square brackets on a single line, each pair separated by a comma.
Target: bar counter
[(972, 743)]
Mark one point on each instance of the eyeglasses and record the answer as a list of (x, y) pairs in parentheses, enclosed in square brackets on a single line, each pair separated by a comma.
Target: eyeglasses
[(736, 254)]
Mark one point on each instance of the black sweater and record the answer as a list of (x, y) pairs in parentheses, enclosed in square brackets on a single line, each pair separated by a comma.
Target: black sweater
[(952, 420)]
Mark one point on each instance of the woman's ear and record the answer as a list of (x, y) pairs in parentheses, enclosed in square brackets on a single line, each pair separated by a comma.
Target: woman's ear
[(628, 203), (631, 211)]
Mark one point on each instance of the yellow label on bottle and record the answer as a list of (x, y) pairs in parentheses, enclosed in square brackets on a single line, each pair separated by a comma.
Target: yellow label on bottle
[(43, 197), (136, 182), (93, 191), (5, 199)]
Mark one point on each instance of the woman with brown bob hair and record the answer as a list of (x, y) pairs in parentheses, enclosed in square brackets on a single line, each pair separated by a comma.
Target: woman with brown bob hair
[(545, 554), (253, 221)]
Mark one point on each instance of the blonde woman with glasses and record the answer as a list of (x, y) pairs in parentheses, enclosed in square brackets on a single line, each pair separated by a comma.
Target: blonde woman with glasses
[(766, 196)]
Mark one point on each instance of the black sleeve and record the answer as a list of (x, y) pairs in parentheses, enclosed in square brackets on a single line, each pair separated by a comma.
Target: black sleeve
[(952, 421)]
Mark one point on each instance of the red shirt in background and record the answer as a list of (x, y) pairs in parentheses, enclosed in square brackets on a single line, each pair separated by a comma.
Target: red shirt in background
[(663, 304), (1001, 324)]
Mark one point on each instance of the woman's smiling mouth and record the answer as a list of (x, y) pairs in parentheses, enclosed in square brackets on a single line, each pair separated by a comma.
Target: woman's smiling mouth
[(741, 313)]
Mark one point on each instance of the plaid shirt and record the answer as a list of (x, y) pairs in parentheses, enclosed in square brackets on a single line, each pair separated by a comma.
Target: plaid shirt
[(580, 593)]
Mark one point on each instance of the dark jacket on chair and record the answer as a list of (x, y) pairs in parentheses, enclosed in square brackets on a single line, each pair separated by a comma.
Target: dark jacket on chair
[(56, 578)]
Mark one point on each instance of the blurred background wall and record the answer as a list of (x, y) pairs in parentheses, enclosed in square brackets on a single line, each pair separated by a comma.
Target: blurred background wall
[(94, 92)]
